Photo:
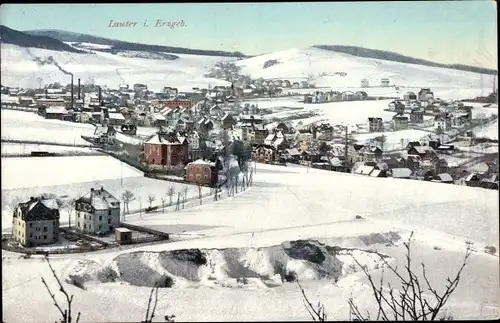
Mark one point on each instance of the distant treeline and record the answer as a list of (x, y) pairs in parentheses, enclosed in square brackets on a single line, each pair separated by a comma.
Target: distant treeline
[(395, 57)]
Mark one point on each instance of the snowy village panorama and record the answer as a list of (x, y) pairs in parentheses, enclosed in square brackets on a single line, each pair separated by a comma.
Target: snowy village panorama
[(250, 162)]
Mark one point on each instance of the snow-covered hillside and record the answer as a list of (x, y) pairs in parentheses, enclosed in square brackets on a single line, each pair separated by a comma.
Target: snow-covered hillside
[(321, 65), (19, 69)]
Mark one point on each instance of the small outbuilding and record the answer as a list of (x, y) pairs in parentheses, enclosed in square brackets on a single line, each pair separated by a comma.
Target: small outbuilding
[(123, 235)]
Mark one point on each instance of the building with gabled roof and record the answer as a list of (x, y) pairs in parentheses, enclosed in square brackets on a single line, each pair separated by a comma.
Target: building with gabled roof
[(36, 222), (166, 150), (97, 212)]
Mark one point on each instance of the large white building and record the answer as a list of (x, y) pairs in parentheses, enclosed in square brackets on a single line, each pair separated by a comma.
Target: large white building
[(36, 222), (97, 212)]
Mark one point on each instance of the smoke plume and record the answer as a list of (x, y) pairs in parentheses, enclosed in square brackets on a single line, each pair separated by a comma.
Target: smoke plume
[(49, 61)]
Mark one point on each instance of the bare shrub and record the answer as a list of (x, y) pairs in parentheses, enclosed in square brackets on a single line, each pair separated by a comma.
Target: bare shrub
[(66, 313), (409, 303)]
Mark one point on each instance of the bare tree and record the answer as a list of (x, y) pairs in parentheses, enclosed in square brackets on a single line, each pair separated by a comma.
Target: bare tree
[(14, 203), (127, 197), (177, 206), (66, 313), (171, 193), (69, 205), (151, 199), (199, 193), (184, 195), (163, 199), (409, 303), (150, 311)]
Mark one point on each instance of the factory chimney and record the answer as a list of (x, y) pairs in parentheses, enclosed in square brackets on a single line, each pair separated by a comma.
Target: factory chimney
[(46, 93), (72, 96), (100, 96), (79, 90)]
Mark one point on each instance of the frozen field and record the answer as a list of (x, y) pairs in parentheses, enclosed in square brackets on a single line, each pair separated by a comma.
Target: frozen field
[(393, 137), (282, 205), (19, 69), (490, 131)]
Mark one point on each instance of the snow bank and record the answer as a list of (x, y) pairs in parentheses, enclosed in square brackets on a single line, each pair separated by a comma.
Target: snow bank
[(231, 267)]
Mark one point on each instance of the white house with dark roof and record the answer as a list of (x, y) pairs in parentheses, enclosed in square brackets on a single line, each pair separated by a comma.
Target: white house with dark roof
[(36, 222), (97, 212)]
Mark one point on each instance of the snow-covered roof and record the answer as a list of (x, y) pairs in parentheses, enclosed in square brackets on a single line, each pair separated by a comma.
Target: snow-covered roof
[(100, 199), (123, 230), (445, 177), (202, 162), (116, 116), (158, 116), (56, 109), (364, 170), (401, 172)]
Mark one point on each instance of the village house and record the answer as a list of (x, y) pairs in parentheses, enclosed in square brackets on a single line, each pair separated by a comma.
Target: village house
[(442, 122), (116, 119), (167, 150), (360, 95), (375, 124), (399, 107), (348, 96), (409, 96), (129, 129), (83, 117), (158, 119), (402, 173), (36, 222), (263, 154), (97, 212), (259, 136), (202, 172), (417, 116), (424, 152), (55, 112), (384, 82), (228, 121), (371, 153), (425, 94), (105, 134), (400, 122)]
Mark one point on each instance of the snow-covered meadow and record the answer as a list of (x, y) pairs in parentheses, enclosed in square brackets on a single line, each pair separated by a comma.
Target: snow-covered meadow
[(283, 205), (21, 149), (19, 69)]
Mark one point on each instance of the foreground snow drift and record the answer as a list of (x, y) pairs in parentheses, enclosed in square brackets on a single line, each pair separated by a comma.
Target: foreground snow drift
[(232, 267)]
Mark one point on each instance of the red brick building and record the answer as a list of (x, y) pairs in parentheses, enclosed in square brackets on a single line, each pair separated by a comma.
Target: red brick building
[(172, 104), (202, 172), (166, 150)]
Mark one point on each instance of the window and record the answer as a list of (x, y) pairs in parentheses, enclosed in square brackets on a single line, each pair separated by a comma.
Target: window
[(85, 226), (109, 212), (31, 225), (85, 216), (45, 237), (109, 221), (100, 217), (99, 227), (31, 235), (44, 229), (78, 224), (90, 217)]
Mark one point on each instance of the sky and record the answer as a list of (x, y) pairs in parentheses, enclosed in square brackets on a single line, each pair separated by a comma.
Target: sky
[(453, 32)]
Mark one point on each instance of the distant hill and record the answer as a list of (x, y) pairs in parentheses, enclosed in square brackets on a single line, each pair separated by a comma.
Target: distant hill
[(395, 57), (65, 36), (11, 36)]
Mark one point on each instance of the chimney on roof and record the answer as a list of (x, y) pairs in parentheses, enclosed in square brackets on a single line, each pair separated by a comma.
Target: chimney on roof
[(102, 188), (72, 94), (79, 90), (32, 198), (92, 189), (46, 93), (100, 95)]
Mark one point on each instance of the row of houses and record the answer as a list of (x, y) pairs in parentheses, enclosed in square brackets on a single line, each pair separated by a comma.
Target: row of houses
[(334, 96)]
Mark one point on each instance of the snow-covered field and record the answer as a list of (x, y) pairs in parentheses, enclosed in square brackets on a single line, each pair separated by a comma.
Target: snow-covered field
[(320, 67), (19, 69), (282, 205), (74, 176), (20, 125), (16, 149), (490, 131)]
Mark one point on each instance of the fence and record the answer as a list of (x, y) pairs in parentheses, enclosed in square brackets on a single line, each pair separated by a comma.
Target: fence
[(160, 234), (85, 236)]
